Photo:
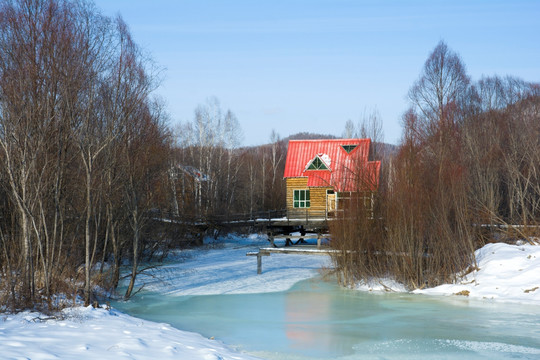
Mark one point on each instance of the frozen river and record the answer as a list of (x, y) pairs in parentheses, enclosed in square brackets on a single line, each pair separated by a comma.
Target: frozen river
[(318, 320)]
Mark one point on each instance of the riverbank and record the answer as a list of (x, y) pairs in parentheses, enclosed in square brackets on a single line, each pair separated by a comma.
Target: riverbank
[(221, 267), (88, 333), (505, 273)]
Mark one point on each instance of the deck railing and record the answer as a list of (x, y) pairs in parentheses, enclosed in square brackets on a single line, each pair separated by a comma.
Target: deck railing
[(307, 214), (288, 215)]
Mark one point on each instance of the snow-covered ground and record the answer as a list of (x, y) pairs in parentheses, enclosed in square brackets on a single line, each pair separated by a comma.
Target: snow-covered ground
[(222, 267), (88, 333), (505, 272)]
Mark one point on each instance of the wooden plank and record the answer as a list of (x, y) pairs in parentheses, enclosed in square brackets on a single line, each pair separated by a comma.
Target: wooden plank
[(312, 225), (297, 251), (256, 253), (318, 199), (267, 251), (299, 236)]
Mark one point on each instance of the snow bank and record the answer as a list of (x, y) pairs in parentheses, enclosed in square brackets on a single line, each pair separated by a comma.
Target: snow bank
[(505, 272), (381, 285), (100, 334)]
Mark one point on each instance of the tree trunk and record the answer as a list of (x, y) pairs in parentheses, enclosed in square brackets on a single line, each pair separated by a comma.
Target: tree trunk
[(136, 235)]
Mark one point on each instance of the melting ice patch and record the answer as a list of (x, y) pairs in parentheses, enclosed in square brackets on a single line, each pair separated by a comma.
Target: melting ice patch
[(443, 349)]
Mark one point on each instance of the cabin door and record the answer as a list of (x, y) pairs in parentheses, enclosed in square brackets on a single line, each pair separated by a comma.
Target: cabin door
[(330, 201)]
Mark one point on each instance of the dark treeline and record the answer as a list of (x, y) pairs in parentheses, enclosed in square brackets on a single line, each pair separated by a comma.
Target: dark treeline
[(89, 163), (83, 150), (467, 167)]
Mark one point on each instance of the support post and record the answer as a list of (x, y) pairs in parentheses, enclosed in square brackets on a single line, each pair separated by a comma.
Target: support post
[(318, 241), (259, 264)]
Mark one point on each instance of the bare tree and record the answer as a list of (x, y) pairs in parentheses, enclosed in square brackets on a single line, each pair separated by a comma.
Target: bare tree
[(442, 85), (370, 127), (210, 141), (65, 97), (350, 130)]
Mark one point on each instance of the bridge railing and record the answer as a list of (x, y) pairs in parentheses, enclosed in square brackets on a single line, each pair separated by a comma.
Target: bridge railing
[(288, 215), (307, 214), (250, 216)]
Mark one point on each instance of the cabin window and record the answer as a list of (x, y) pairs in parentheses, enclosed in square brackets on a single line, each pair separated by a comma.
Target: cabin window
[(301, 199), (317, 164), (349, 148)]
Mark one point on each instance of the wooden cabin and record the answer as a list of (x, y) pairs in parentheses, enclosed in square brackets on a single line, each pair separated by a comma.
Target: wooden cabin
[(320, 174)]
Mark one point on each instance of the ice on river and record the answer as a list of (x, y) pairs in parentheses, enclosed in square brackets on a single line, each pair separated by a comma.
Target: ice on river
[(223, 268), (506, 272)]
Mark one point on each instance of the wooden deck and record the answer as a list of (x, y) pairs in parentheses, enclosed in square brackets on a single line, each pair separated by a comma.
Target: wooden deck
[(304, 250), (297, 249)]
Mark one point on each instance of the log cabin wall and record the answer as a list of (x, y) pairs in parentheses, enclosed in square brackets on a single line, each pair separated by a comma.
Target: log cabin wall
[(299, 183), (317, 197)]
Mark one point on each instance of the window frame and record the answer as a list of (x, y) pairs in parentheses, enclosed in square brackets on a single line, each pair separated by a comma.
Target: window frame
[(318, 164), (301, 199), (349, 148)]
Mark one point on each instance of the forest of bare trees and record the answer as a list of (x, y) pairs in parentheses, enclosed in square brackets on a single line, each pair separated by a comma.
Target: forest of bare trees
[(82, 149), (89, 163), (467, 172), (217, 177), (88, 159)]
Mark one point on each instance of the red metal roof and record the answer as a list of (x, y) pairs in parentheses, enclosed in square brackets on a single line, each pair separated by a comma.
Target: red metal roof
[(346, 170)]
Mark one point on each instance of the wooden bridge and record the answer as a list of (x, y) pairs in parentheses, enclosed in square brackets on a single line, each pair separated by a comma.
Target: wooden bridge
[(272, 222), (277, 224)]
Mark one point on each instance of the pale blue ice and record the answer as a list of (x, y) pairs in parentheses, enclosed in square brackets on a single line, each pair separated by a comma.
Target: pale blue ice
[(319, 320)]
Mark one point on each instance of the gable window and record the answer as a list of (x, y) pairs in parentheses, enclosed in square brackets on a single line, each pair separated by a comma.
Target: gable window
[(317, 164), (301, 199), (349, 148)]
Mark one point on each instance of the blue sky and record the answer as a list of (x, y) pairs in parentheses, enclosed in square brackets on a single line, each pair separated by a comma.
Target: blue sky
[(310, 65)]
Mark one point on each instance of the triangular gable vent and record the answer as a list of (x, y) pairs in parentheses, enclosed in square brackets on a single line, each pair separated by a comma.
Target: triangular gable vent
[(317, 164), (349, 148)]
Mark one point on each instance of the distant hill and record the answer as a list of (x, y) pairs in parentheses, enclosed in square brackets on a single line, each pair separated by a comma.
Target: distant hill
[(308, 136), (384, 149)]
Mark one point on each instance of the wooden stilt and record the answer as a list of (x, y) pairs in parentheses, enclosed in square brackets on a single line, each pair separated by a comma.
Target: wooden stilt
[(271, 239), (259, 256)]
